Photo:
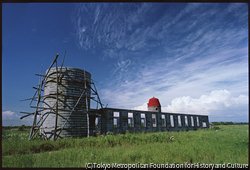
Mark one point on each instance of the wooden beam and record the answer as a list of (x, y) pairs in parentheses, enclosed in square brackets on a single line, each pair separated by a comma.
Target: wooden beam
[(40, 75), (27, 115), (56, 101), (37, 88), (32, 133), (27, 99), (85, 85)]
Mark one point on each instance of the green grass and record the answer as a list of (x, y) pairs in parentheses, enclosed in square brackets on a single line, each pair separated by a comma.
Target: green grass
[(229, 144)]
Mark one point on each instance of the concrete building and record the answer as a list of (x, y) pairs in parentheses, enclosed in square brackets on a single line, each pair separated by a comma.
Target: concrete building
[(122, 120)]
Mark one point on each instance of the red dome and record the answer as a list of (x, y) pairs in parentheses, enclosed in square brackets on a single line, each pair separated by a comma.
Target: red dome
[(153, 102)]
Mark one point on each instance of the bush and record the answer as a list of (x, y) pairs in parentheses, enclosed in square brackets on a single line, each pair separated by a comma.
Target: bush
[(7, 128), (46, 147), (21, 128), (215, 128)]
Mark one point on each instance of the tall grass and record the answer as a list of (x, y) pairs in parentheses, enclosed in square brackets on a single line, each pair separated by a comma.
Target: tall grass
[(229, 144)]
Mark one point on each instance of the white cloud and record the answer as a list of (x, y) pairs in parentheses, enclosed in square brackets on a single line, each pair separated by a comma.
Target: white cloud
[(97, 12), (28, 120), (188, 8), (142, 107), (11, 118), (9, 115), (216, 100), (121, 66), (34, 30), (233, 7), (219, 105), (204, 57), (170, 79), (116, 26)]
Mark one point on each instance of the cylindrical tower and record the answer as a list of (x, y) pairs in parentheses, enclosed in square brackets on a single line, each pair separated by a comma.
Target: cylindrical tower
[(70, 87), (154, 105)]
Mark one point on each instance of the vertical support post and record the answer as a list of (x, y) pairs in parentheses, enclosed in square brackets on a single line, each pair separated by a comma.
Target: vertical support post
[(35, 114), (40, 117), (86, 98), (56, 101), (35, 126), (99, 100), (88, 124)]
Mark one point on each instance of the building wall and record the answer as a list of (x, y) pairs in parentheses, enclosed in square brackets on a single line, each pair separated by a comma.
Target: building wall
[(123, 125), (154, 108)]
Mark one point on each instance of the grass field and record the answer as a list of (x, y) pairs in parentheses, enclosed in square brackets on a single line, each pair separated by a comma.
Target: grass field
[(229, 144)]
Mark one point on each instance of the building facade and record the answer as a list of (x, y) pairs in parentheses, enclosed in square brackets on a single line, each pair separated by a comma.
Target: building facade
[(122, 120)]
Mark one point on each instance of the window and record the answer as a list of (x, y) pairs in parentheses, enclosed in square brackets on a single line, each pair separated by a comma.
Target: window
[(116, 116), (172, 120), (179, 121), (130, 120), (143, 120), (198, 123), (192, 121), (96, 122), (163, 120), (154, 120), (186, 121), (204, 124)]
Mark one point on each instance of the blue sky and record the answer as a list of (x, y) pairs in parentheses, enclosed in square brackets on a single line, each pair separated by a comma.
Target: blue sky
[(192, 56)]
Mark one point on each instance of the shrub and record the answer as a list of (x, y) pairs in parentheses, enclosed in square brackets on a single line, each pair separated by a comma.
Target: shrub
[(7, 128), (46, 147), (215, 128), (21, 128)]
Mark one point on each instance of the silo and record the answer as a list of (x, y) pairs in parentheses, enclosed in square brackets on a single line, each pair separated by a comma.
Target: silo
[(70, 87)]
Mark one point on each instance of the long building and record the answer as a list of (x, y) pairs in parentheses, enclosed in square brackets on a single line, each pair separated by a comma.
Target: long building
[(122, 120)]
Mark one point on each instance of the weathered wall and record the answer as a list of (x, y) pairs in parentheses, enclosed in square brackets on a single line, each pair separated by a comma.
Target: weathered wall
[(70, 87), (108, 121), (154, 108)]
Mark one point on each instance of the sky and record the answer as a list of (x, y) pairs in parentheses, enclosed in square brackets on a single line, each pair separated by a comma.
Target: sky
[(193, 57)]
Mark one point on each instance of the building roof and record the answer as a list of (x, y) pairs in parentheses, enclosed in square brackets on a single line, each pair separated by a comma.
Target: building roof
[(153, 102)]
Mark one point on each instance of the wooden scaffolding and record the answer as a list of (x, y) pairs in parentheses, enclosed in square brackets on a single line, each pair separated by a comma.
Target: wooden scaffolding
[(38, 97)]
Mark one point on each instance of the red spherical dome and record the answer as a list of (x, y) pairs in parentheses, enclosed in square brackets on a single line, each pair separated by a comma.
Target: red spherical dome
[(153, 102)]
